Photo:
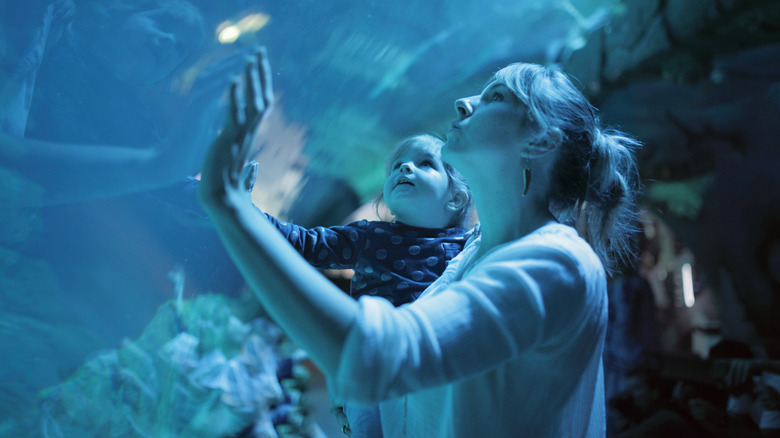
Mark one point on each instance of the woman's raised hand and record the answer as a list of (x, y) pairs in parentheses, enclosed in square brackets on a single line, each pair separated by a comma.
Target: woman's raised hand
[(223, 175)]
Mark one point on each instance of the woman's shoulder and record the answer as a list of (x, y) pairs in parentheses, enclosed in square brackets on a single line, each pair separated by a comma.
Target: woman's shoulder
[(552, 244), (556, 265), (552, 238)]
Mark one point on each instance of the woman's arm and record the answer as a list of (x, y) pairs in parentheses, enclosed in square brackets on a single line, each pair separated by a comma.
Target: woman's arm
[(314, 312), (511, 302)]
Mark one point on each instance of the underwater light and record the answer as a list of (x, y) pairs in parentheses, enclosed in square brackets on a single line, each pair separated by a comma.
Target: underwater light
[(228, 32), (687, 283), (253, 22)]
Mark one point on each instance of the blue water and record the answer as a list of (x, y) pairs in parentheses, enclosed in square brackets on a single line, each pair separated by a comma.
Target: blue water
[(120, 313)]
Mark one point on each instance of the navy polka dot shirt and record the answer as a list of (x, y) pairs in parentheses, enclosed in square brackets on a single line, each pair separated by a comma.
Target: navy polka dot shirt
[(391, 260)]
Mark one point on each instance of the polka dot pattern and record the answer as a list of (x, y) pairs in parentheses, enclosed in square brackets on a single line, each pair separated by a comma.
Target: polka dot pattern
[(390, 260)]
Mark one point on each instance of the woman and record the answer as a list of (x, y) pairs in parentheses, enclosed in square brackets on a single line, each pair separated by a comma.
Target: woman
[(508, 341)]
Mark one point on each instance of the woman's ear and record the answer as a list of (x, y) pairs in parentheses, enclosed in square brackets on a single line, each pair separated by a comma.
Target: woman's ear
[(545, 144), (457, 201)]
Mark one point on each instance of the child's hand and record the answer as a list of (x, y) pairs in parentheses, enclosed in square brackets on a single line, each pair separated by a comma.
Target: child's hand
[(337, 412), (223, 174), (250, 175)]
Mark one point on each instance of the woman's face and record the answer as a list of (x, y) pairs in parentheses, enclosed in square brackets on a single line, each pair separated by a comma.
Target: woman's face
[(149, 45), (495, 120)]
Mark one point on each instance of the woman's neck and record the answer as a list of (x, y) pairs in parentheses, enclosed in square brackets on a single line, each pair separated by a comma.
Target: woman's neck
[(500, 227), (506, 215)]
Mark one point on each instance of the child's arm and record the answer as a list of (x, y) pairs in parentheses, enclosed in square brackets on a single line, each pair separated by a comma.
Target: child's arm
[(314, 312), (324, 248)]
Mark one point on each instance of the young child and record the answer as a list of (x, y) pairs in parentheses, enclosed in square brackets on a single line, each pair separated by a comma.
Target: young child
[(396, 260)]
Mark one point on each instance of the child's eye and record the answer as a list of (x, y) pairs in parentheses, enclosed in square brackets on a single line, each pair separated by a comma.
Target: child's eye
[(428, 163), (496, 97)]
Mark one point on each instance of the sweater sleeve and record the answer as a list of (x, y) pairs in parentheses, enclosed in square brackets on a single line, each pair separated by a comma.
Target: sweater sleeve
[(511, 303), (335, 247)]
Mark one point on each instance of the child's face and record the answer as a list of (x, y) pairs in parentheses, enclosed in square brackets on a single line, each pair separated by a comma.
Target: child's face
[(418, 188)]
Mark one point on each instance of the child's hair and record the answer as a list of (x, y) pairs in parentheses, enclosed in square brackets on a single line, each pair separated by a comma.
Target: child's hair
[(457, 181), (595, 181)]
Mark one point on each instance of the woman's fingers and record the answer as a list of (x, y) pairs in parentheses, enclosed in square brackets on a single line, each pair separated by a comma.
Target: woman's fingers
[(258, 91), (254, 105), (256, 99), (234, 111), (247, 103), (234, 131), (266, 84)]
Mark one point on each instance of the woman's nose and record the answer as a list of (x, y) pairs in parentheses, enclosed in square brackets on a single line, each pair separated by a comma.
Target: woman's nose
[(464, 107)]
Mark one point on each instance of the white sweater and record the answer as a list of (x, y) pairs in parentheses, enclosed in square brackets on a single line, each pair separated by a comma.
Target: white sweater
[(512, 349)]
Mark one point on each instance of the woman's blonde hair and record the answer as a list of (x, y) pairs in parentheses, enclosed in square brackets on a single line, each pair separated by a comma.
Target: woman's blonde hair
[(595, 181)]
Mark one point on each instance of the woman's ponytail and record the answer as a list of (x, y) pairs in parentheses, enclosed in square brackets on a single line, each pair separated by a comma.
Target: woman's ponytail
[(606, 216)]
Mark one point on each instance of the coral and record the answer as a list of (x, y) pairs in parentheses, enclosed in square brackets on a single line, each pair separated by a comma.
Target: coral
[(198, 372)]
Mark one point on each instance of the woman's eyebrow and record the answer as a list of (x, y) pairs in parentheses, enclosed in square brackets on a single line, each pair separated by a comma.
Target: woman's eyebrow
[(493, 87)]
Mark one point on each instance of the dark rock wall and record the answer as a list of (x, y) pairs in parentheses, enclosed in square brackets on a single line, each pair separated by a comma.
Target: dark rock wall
[(698, 81)]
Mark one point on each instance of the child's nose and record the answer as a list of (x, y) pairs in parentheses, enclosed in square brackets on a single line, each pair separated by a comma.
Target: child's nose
[(406, 168)]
